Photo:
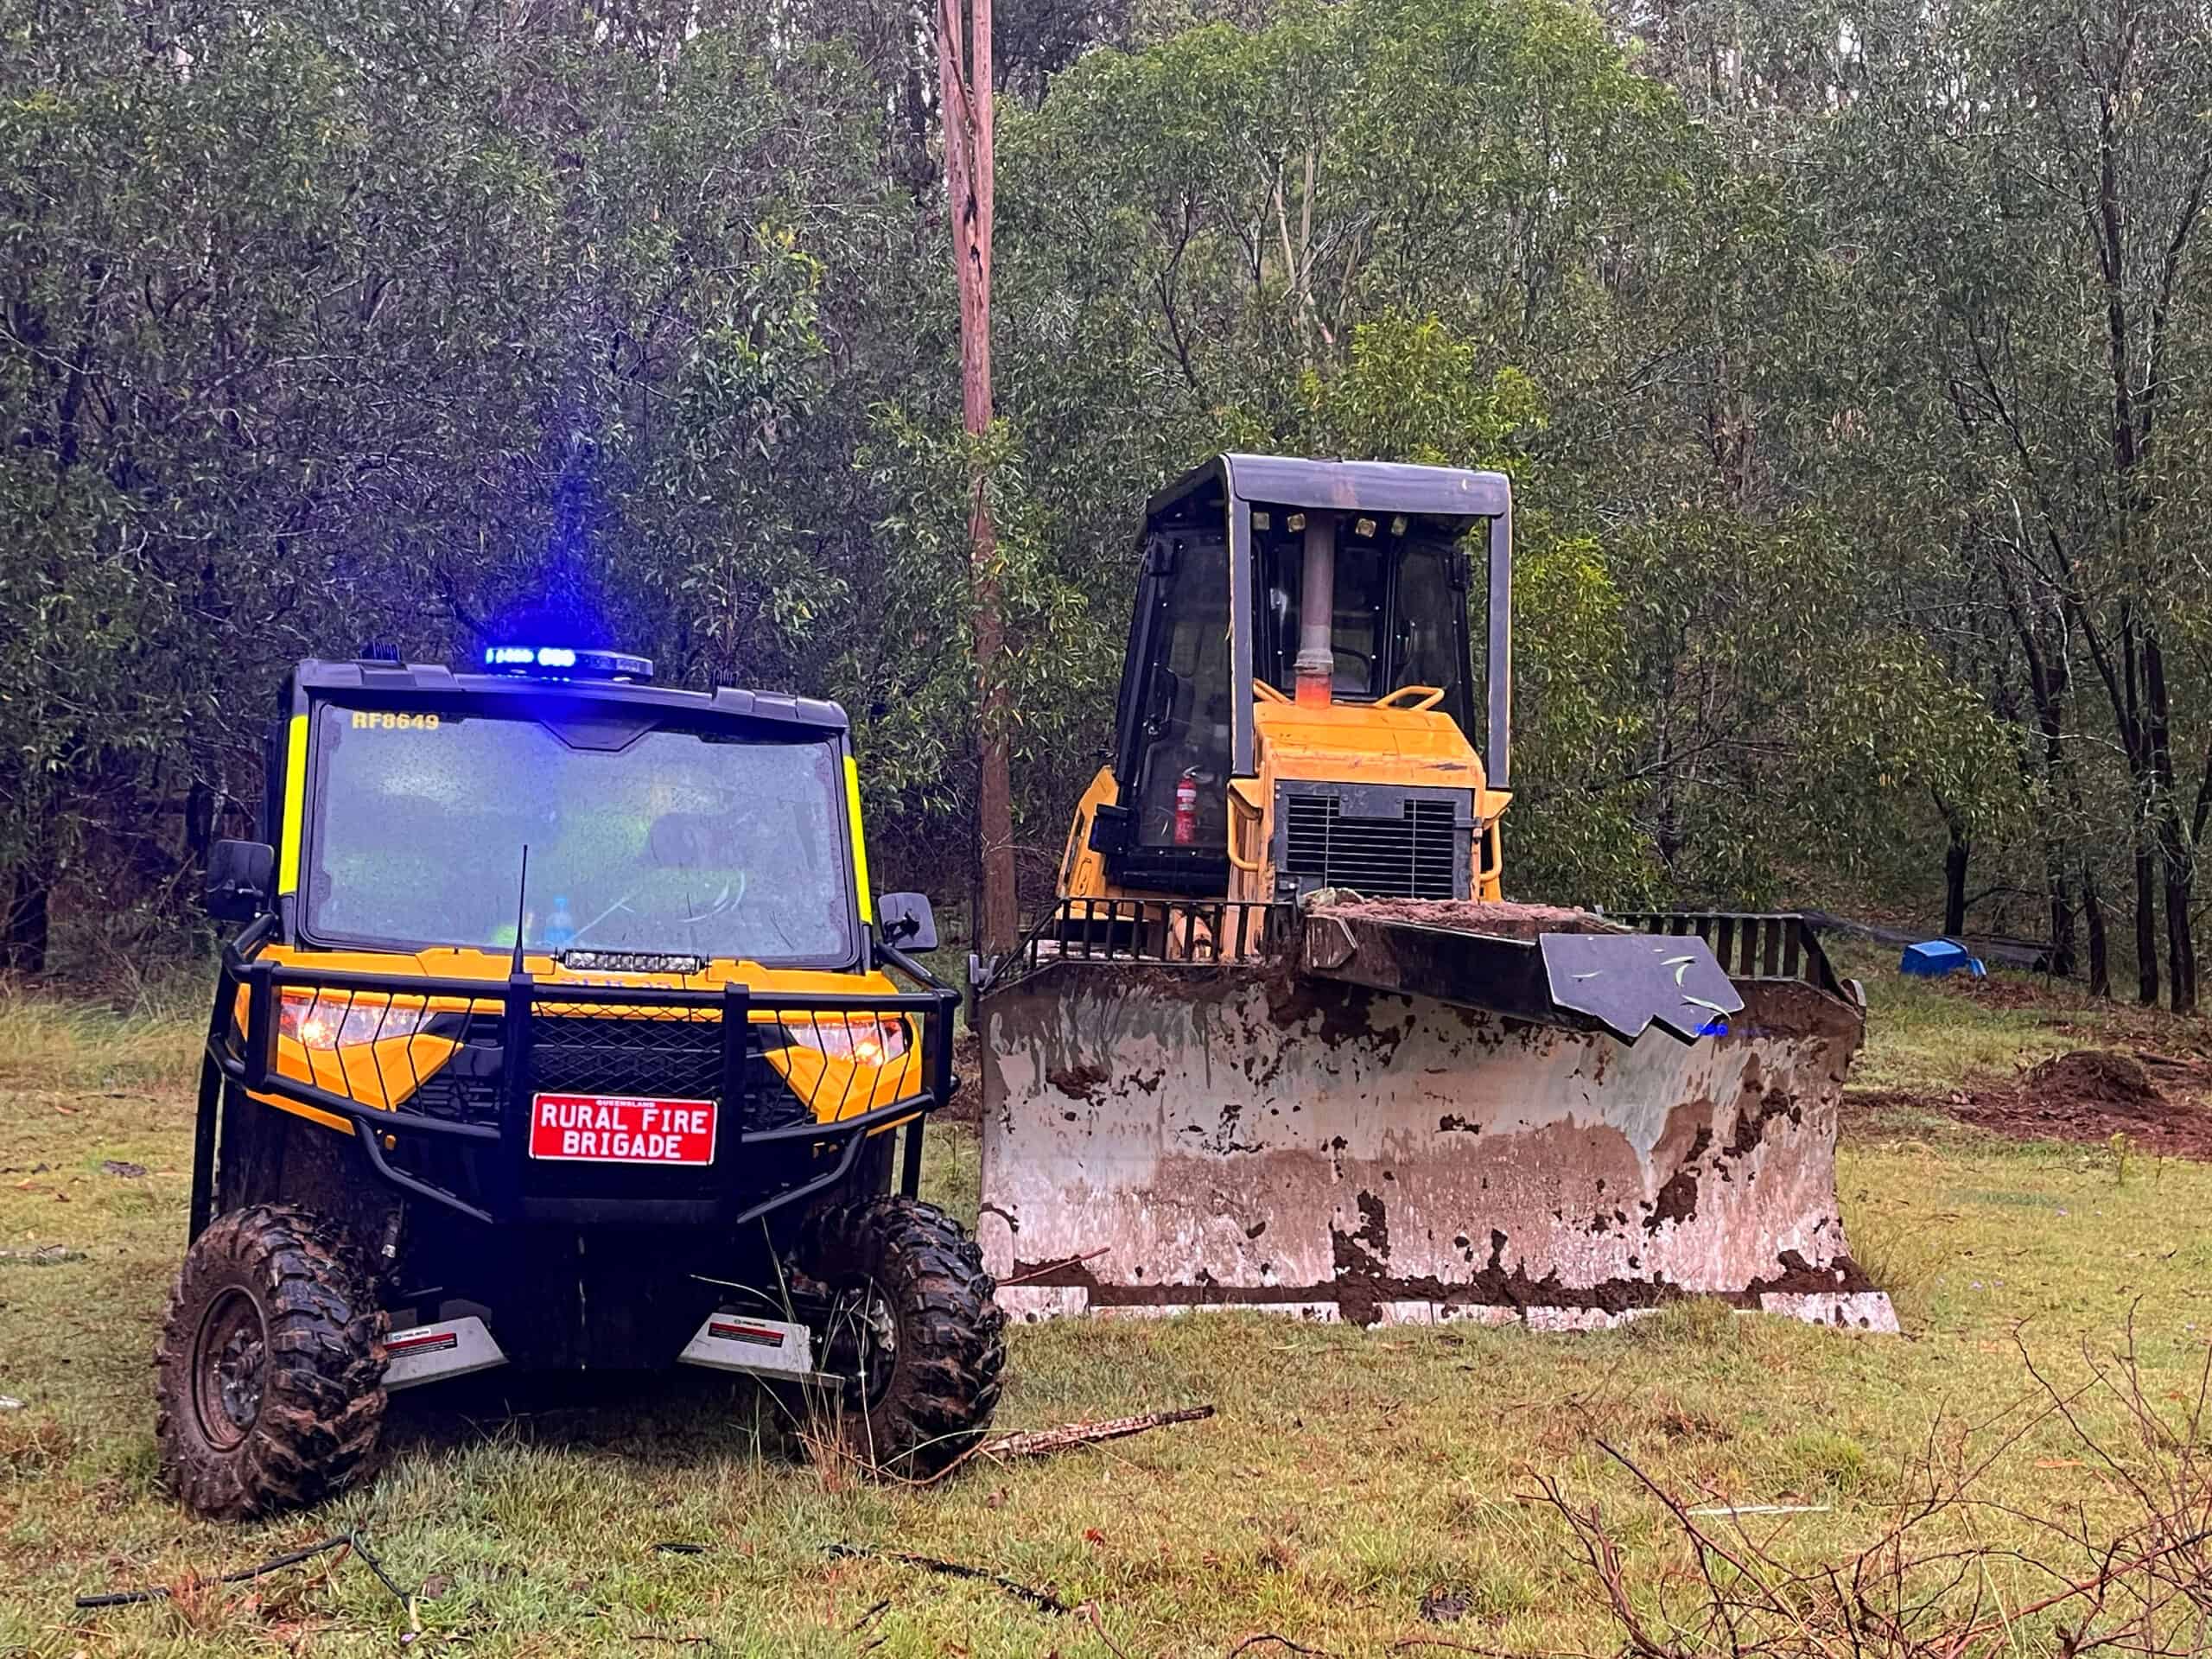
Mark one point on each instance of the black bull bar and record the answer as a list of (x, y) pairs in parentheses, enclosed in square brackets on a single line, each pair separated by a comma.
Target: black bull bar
[(753, 1171)]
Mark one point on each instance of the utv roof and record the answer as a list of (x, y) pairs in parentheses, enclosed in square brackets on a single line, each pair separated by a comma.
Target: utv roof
[(1372, 486), (430, 682)]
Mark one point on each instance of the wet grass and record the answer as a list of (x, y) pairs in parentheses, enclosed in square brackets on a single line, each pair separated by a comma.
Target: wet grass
[(1348, 1477)]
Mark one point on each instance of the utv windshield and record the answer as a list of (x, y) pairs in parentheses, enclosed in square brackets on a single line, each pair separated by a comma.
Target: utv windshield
[(653, 840)]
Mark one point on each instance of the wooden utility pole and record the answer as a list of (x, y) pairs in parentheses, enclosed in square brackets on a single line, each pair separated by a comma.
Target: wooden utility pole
[(964, 62)]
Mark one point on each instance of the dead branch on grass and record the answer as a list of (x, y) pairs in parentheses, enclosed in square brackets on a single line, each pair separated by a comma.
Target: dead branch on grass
[(1284, 1642), (1090, 1613), (1042, 1600), (346, 1540), (1020, 1443), (1933, 1585), (1043, 1442)]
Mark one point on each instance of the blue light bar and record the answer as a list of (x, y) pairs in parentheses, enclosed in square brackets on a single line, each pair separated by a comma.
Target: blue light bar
[(568, 662)]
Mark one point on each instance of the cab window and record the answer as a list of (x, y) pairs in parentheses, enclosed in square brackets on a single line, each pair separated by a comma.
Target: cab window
[(1399, 617), (673, 841), (1181, 725)]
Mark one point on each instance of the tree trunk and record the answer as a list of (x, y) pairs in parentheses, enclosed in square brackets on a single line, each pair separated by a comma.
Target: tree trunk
[(1958, 852), (965, 77), (2092, 912), (23, 930), (200, 823), (2181, 946), (2176, 856), (2062, 960), (1954, 886), (2147, 923), (2138, 772)]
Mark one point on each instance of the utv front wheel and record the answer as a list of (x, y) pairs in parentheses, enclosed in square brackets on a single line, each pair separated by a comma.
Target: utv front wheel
[(270, 1375), (912, 1331)]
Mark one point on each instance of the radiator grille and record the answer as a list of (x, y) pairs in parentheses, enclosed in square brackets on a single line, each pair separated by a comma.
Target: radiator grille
[(653, 1053), (675, 1053), (1413, 856)]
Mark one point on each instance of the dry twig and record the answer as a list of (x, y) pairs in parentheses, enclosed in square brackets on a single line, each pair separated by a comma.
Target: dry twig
[(1043, 1601), (1255, 1640), (1043, 1442), (347, 1541)]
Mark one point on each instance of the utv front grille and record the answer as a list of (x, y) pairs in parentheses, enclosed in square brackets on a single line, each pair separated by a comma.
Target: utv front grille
[(651, 1052), (1385, 843), (668, 1053)]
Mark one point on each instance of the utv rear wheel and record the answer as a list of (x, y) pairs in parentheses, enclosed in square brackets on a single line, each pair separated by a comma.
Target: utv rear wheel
[(270, 1375), (912, 1329)]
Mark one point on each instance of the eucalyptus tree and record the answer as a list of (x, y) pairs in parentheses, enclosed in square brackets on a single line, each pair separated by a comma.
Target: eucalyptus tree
[(2032, 179)]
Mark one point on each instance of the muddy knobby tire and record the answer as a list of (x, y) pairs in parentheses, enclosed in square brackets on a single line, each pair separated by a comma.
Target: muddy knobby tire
[(294, 1282), (944, 1373)]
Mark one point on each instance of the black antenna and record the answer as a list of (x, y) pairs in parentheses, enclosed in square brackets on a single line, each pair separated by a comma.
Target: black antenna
[(522, 912)]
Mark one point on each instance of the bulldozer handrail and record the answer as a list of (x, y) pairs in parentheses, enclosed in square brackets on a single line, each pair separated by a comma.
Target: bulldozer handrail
[(1753, 945), (1197, 932), (1430, 696), (1251, 866)]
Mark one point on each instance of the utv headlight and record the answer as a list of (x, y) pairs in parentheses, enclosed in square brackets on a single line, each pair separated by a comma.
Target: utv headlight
[(329, 1020), (865, 1038)]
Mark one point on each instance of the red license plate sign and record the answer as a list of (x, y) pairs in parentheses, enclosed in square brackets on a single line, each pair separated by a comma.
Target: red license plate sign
[(621, 1130)]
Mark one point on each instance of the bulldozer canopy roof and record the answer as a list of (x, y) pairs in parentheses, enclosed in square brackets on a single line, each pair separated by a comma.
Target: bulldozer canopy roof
[(1366, 485)]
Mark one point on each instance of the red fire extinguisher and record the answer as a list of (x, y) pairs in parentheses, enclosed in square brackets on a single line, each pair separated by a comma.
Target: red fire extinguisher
[(1187, 808)]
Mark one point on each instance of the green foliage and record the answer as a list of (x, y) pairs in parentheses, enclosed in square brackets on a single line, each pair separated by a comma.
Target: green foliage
[(340, 323)]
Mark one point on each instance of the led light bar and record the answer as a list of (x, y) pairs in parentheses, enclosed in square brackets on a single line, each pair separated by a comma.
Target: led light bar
[(567, 662), (631, 962)]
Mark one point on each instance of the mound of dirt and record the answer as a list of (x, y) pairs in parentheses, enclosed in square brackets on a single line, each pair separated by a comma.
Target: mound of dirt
[(2090, 1095), (2099, 1080), (1474, 915)]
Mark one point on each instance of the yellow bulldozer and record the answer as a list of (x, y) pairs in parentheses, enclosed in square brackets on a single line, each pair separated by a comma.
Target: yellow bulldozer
[(1282, 1044)]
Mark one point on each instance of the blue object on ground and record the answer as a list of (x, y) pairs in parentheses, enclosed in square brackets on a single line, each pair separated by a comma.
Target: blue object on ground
[(1932, 958)]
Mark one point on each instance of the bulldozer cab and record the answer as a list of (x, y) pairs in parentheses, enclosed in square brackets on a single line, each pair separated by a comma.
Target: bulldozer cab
[(1234, 579)]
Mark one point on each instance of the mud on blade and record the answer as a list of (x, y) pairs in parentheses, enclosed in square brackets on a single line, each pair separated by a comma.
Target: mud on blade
[(1284, 1135)]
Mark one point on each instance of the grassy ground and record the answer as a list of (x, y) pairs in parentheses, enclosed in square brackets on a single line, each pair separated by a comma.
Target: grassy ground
[(1348, 1479)]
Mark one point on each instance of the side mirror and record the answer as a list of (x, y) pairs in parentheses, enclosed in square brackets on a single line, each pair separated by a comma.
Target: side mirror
[(241, 875), (906, 921)]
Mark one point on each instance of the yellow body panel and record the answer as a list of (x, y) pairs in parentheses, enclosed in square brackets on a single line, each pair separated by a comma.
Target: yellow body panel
[(860, 846), (1353, 743), (1337, 742), (295, 801), (383, 1074), (1362, 742), (1082, 872), (301, 1109)]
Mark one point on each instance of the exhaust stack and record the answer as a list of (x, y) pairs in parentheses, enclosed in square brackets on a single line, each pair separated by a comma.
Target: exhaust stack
[(1316, 668)]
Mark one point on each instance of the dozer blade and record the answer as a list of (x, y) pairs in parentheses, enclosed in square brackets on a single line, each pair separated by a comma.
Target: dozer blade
[(1606, 978), (1290, 1134)]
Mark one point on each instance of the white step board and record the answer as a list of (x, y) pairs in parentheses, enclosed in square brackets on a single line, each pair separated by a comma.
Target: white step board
[(430, 1353), (739, 1342)]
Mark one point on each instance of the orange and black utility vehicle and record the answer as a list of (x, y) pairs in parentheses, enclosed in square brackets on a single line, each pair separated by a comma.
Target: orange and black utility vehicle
[(559, 1033)]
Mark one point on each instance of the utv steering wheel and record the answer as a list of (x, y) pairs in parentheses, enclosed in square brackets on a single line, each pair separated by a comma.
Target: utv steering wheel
[(732, 894)]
